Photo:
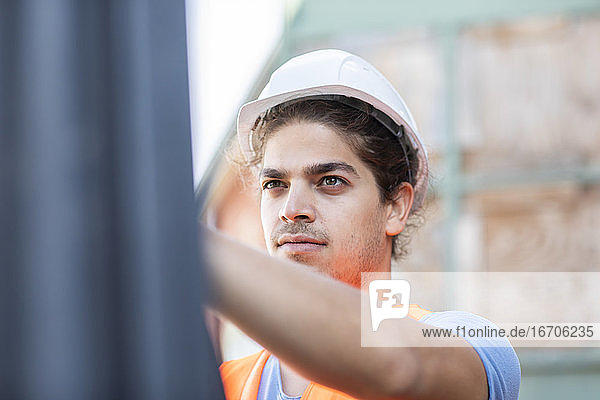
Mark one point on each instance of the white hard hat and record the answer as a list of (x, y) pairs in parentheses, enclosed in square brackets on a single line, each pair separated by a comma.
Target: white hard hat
[(335, 72)]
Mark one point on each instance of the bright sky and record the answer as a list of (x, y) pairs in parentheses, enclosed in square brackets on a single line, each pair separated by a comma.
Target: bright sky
[(229, 42)]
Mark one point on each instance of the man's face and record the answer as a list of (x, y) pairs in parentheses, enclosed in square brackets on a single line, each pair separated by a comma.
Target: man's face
[(320, 204)]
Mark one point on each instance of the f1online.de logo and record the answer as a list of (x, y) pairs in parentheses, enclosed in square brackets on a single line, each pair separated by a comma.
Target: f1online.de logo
[(389, 299)]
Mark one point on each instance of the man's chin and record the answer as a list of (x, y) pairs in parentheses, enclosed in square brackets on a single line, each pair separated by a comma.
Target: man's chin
[(304, 259), (312, 260), (323, 267)]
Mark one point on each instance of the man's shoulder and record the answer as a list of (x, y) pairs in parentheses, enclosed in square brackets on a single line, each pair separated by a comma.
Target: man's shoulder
[(499, 359)]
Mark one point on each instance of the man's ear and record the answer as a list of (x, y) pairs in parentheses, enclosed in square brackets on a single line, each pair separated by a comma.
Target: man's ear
[(398, 209)]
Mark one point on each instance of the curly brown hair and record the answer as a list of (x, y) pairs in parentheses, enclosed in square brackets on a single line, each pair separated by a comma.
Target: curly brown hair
[(392, 161)]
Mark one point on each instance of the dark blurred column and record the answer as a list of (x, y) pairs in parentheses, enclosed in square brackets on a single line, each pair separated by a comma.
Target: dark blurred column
[(100, 282)]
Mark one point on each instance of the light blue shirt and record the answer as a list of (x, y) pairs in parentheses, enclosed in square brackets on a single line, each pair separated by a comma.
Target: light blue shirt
[(499, 358), (500, 361)]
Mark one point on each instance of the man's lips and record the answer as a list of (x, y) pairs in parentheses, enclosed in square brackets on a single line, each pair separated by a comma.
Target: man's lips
[(298, 239), (297, 244)]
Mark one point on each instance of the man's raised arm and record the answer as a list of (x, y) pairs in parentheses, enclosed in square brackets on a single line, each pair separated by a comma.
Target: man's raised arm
[(312, 322)]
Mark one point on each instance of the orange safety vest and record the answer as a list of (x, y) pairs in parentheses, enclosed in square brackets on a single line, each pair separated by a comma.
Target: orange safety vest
[(241, 377)]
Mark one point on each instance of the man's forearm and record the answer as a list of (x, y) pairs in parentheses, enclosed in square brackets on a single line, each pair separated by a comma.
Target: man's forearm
[(312, 322)]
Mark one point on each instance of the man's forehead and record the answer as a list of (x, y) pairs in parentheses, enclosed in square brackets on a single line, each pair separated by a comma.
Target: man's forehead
[(309, 148)]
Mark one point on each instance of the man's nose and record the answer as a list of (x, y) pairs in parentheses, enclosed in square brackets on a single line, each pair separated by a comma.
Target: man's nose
[(298, 205)]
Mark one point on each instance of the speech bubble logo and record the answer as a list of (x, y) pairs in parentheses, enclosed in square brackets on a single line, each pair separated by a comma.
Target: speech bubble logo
[(389, 299)]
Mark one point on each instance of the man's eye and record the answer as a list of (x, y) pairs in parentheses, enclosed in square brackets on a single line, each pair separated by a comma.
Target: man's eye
[(333, 181), (272, 184)]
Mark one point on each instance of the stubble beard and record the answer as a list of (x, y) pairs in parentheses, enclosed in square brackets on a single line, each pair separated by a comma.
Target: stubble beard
[(348, 269), (302, 228), (368, 259)]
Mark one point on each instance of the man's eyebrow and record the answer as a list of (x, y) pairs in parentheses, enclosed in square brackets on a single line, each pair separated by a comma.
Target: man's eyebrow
[(273, 173), (323, 168)]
